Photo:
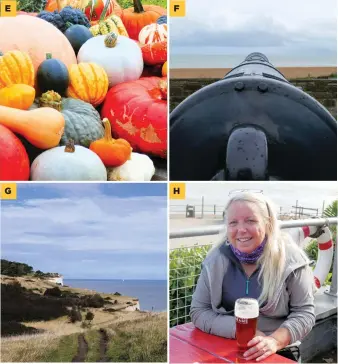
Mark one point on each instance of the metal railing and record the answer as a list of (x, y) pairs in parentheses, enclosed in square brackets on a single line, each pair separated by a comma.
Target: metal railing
[(185, 266), (216, 229)]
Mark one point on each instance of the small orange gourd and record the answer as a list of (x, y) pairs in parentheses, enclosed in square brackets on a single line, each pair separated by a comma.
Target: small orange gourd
[(42, 127), (16, 67), (113, 152), (18, 96), (88, 82)]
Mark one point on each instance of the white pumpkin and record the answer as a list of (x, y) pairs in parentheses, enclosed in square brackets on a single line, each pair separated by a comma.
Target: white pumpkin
[(122, 61), (138, 168), (68, 164), (153, 33)]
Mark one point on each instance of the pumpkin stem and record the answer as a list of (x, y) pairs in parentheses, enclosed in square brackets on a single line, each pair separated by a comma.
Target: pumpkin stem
[(107, 130), (48, 55), (51, 99), (110, 40), (70, 147), (138, 8)]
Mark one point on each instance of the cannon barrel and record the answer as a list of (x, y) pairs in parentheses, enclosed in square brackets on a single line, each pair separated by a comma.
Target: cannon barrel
[(256, 64), (252, 125)]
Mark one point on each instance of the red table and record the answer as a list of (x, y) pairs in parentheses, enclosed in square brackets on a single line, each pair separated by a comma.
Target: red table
[(191, 345)]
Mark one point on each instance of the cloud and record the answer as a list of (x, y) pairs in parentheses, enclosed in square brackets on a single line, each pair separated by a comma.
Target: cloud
[(284, 28), (70, 233), (283, 194)]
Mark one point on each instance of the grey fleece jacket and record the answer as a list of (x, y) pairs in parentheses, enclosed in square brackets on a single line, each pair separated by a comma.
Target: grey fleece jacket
[(292, 306)]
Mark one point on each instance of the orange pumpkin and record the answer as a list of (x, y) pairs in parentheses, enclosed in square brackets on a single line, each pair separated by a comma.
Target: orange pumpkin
[(35, 36), (113, 152), (52, 5), (137, 17)]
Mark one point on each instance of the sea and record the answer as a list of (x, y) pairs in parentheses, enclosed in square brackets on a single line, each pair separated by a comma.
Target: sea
[(152, 294)]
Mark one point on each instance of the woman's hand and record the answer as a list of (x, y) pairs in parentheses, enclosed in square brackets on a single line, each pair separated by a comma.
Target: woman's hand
[(261, 348)]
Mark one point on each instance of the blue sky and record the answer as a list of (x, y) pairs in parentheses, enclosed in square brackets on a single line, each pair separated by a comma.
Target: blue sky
[(98, 231), (221, 33)]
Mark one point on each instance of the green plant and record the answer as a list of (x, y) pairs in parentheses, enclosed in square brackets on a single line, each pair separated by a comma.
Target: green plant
[(332, 211), (185, 268), (89, 316), (54, 292), (74, 315)]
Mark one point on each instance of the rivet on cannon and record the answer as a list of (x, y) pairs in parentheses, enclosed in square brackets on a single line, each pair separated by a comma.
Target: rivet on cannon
[(239, 86), (262, 87)]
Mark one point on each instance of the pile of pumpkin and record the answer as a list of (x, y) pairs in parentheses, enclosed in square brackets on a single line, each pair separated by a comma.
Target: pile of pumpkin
[(83, 92)]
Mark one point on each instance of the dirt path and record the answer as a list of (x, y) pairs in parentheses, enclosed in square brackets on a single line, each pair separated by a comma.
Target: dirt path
[(82, 349), (103, 345)]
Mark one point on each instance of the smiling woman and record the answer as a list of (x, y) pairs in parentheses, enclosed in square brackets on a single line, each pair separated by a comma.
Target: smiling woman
[(255, 260)]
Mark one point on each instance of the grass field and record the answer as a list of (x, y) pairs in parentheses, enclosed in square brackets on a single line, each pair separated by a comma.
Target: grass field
[(129, 3), (136, 339), (37, 328)]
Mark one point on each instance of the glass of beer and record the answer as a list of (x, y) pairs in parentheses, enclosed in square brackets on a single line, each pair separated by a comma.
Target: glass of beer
[(246, 313)]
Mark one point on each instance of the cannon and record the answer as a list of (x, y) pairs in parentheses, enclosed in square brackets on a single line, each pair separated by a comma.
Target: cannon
[(252, 125)]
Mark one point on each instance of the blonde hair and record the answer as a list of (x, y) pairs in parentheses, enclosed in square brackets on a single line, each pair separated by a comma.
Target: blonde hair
[(273, 259)]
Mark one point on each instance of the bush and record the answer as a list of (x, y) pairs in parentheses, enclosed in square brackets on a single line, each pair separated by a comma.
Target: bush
[(74, 315), (185, 268), (89, 316), (54, 292), (117, 294), (95, 301), (15, 269)]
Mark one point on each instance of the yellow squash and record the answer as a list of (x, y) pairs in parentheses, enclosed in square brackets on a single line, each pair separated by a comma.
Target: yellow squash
[(87, 82), (16, 67), (18, 96)]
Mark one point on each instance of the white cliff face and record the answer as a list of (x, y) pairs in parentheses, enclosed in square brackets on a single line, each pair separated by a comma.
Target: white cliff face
[(56, 280), (134, 307)]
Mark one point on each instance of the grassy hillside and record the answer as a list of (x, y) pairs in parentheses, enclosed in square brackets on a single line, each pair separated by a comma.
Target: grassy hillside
[(36, 325), (138, 339)]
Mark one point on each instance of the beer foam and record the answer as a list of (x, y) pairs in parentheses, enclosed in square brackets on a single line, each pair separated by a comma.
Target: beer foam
[(246, 309)]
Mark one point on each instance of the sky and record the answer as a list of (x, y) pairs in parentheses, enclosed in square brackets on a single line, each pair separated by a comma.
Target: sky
[(282, 194), (88, 231), (289, 33)]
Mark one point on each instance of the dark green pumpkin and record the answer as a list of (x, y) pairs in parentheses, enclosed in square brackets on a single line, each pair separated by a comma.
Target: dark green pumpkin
[(162, 20), (83, 122), (52, 74), (77, 36)]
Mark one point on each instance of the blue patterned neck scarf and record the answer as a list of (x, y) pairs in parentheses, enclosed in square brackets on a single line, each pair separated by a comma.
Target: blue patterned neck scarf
[(249, 258)]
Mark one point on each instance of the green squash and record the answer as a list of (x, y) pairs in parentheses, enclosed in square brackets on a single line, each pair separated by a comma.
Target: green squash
[(52, 74), (83, 123)]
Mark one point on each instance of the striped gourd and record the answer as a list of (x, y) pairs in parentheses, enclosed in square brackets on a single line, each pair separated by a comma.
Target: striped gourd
[(112, 24), (87, 82), (16, 67), (120, 26), (153, 33)]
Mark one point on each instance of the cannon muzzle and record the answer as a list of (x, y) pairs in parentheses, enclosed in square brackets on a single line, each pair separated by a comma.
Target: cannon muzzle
[(252, 125)]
